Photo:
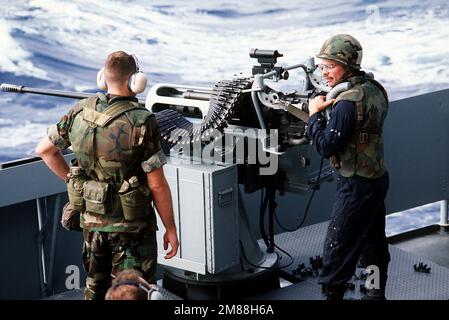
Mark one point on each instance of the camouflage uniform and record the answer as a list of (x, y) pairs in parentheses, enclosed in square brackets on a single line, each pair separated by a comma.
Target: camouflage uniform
[(363, 154), (110, 150), (352, 139)]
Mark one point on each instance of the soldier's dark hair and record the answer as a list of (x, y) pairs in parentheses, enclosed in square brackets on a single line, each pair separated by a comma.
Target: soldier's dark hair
[(119, 67)]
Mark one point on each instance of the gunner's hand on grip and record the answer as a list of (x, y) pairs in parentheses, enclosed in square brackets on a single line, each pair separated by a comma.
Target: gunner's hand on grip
[(318, 104)]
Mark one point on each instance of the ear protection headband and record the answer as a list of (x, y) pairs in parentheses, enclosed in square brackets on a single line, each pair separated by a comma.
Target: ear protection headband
[(152, 291), (137, 81)]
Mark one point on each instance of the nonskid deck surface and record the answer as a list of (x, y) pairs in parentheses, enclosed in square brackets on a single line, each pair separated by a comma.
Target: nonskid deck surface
[(404, 283), (433, 246)]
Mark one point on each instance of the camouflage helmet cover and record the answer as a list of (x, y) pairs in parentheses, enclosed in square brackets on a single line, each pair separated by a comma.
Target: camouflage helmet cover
[(344, 49)]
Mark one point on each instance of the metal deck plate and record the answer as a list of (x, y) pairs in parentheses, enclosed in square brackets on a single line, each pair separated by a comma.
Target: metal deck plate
[(403, 282)]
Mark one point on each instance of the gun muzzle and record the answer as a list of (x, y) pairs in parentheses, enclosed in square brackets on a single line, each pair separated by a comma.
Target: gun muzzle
[(6, 87)]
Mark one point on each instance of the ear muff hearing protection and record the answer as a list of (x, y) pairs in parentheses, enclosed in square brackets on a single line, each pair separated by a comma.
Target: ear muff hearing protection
[(151, 291), (101, 82), (137, 81)]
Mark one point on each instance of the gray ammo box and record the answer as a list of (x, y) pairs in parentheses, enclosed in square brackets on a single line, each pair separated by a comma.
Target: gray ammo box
[(205, 206)]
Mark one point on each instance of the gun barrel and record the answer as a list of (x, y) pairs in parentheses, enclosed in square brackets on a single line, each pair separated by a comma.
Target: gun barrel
[(196, 95), (6, 87)]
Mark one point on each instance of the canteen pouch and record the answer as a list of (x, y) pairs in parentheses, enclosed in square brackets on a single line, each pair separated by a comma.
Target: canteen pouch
[(75, 187), (135, 203), (97, 197)]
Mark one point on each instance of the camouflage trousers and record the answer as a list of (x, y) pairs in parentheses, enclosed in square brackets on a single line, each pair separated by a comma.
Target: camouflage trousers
[(108, 253)]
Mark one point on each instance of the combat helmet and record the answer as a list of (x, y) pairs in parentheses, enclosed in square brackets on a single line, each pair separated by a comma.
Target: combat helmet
[(344, 49)]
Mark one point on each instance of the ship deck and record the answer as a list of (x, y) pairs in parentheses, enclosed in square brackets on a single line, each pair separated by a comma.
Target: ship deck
[(427, 246), (430, 243), (404, 283)]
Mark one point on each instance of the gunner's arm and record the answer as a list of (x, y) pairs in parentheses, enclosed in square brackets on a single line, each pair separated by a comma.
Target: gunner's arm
[(163, 201), (49, 149), (330, 138), (53, 158), (159, 187)]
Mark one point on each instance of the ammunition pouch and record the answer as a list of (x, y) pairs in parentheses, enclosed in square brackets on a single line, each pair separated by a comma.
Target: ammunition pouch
[(135, 203), (97, 196), (75, 187), (102, 198)]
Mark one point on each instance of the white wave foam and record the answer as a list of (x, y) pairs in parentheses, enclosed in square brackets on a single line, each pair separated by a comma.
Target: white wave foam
[(4, 122), (22, 128), (13, 58), (22, 133), (201, 42)]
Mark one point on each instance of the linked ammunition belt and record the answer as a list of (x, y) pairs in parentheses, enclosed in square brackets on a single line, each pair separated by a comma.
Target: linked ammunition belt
[(172, 121), (178, 132)]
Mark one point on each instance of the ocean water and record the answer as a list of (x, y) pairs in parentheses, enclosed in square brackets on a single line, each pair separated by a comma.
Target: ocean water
[(62, 44)]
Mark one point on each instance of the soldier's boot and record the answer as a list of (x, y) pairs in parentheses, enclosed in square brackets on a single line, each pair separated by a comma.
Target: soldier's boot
[(335, 292), (377, 294)]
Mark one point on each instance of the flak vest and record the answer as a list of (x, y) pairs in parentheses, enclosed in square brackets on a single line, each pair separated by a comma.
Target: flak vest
[(109, 145), (363, 154)]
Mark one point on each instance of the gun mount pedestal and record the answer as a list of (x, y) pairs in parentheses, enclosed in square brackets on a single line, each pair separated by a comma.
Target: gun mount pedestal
[(241, 284), (219, 256)]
